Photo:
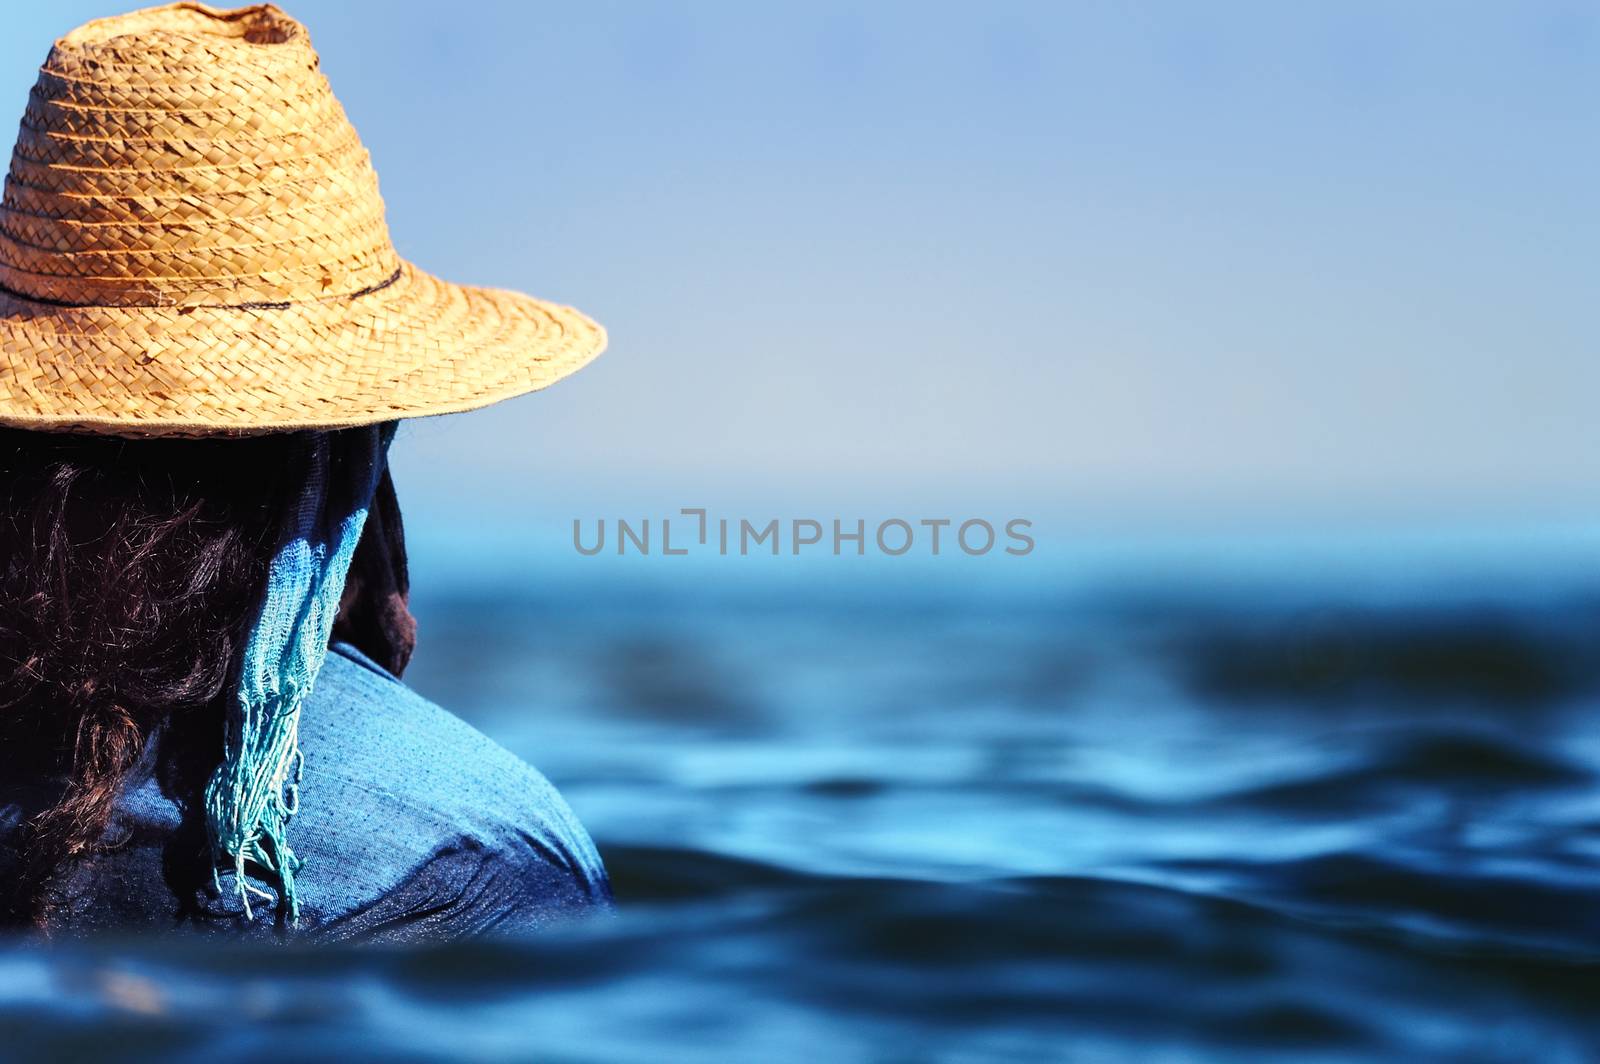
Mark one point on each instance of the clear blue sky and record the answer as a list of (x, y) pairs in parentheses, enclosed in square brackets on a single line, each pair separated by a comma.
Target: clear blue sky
[(1331, 255)]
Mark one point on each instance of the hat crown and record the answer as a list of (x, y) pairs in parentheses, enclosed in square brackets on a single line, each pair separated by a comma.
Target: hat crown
[(189, 156)]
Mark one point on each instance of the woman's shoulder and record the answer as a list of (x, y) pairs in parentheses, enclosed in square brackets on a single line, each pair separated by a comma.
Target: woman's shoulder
[(407, 814)]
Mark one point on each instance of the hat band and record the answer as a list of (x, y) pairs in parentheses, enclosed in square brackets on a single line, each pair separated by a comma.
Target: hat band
[(286, 304)]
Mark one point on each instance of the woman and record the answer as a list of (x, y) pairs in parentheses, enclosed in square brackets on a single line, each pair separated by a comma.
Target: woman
[(208, 340)]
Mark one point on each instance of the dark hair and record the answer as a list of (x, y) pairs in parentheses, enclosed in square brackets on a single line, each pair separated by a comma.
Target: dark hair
[(130, 571)]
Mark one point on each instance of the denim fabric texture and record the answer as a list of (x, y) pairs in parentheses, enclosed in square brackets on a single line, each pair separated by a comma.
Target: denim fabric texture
[(412, 826)]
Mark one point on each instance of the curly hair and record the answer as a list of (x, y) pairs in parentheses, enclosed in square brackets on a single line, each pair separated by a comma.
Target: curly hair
[(130, 571)]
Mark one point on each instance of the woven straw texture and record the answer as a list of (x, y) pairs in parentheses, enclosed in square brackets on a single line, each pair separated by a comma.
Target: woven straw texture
[(192, 243)]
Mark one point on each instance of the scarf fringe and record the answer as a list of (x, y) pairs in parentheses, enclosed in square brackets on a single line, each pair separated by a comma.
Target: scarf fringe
[(254, 793)]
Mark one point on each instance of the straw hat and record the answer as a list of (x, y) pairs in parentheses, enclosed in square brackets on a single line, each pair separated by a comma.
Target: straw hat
[(192, 243)]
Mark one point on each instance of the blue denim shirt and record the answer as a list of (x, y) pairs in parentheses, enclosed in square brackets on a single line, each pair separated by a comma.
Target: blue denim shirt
[(412, 825)]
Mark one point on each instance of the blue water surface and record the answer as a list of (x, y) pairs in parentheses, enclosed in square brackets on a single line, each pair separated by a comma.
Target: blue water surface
[(1284, 817)]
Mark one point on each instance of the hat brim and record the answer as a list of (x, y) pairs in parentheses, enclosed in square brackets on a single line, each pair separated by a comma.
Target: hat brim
[(415, 347)]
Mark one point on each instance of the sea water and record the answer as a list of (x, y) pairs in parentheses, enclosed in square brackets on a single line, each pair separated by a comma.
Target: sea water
[(1289, 816)]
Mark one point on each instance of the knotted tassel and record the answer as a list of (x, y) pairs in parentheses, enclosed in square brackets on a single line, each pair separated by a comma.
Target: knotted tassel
[(255, 791)]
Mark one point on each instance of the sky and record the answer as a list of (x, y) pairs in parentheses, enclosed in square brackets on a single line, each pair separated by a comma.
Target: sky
[(1323, 260)]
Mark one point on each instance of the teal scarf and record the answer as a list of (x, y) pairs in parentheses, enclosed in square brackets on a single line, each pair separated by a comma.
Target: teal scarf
[(255, 791)]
